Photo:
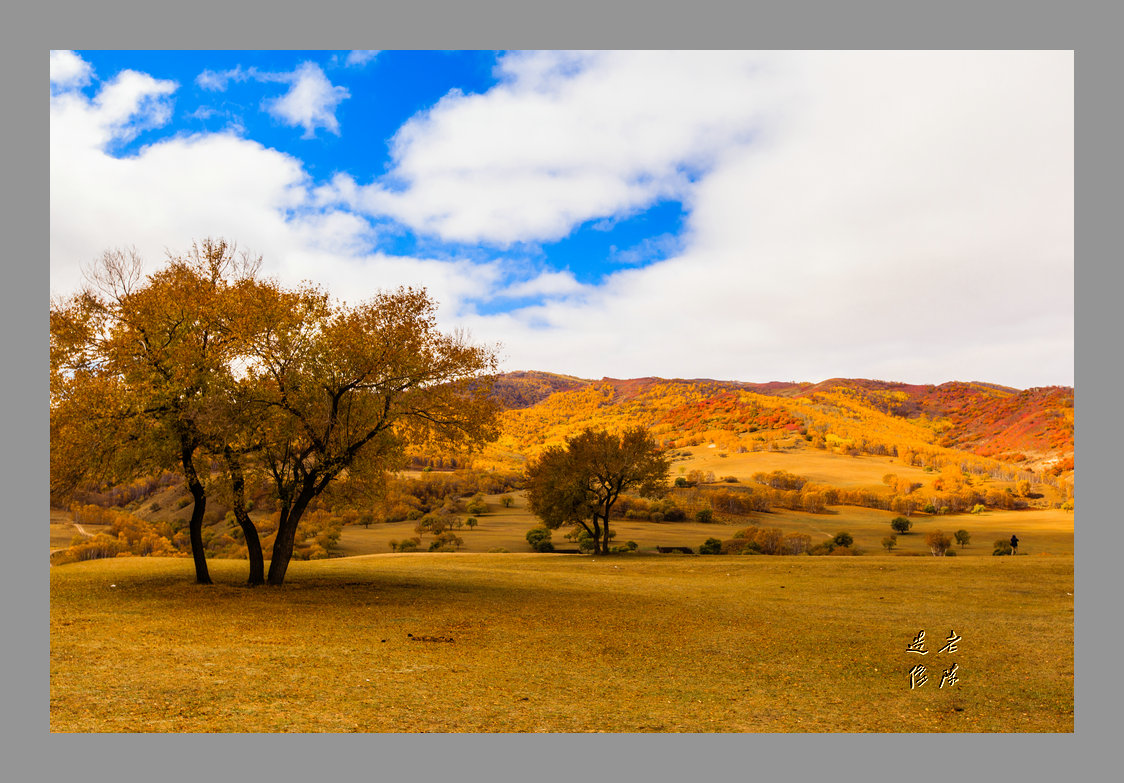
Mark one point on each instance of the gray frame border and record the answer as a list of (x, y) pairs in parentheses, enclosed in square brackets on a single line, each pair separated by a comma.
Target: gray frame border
[(581, 24)]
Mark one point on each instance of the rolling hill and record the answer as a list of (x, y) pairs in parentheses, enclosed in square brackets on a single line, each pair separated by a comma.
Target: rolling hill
[(1032, 428)]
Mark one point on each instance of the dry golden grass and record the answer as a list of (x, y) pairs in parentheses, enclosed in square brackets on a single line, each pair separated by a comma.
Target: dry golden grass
[(61, 535), (820, 467), (500, 527), (1039, 531), (563, 643), (63, 531)]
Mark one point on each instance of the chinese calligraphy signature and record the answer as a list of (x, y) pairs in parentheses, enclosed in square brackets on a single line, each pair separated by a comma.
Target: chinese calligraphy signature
[(918, 675)]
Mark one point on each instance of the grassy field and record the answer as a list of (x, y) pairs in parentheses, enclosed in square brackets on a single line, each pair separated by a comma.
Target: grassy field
[(1039, 531), (819, 467), (63, 531), (564, 643)]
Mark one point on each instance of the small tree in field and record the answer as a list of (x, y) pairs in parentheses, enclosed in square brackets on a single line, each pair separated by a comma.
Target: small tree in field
[(938, 542), (539, 539), (962, 537), (843, 538), (712, 546), (797, 543), (890, 542), (477, 505), (578, 485), (901, 525), (447, 541)]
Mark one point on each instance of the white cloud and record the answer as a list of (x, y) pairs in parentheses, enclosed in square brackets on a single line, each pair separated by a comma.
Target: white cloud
[(133, 102), (185, 188), (360, 57), (233, 121), (908, 217), (129, 103), (903, 216), (68, 70), (565, 138), (548, 284), (217, 81), (311, 101), (646, 250)]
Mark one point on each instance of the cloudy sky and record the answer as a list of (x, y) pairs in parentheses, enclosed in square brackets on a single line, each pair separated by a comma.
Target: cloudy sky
[(731, 215)]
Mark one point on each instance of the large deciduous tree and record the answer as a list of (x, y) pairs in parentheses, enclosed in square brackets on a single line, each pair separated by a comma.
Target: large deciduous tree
[(579, 484), (204, 358), (140, 367), (340, 390)]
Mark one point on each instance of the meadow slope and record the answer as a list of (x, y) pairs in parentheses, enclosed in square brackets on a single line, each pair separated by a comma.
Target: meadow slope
[(546, 643)]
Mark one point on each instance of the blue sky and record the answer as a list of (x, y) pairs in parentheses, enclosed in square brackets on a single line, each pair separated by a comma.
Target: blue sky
[(735, 215), (383, 92), (376, 93)]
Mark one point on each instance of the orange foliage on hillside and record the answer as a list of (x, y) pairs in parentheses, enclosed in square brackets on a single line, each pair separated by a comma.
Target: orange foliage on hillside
[(986, 419), (967, 425)]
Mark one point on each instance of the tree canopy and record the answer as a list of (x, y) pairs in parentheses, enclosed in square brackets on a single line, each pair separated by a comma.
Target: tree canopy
[(204, 356), (137, 367), (344, 388), (578, 484)]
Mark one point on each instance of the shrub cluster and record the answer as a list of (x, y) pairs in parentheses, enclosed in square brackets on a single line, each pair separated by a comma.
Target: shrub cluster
[(780, 479), (712, 546), (663, 510), (766, 541), (539, 539), (447, 541)]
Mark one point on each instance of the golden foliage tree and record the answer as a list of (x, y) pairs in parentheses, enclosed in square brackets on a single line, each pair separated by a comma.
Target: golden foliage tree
[(341, 390), (580, 483), (137, 365)]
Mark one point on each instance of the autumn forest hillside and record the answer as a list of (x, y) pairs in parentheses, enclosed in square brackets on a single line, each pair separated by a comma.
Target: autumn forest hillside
[(1031, 429), (770, 458)]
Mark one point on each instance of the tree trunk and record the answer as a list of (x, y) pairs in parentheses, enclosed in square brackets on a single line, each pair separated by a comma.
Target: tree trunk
[(195, 527), (605, 534), (249, 531), (596, 536), (286, 538), (282, 550), (253, 548)]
